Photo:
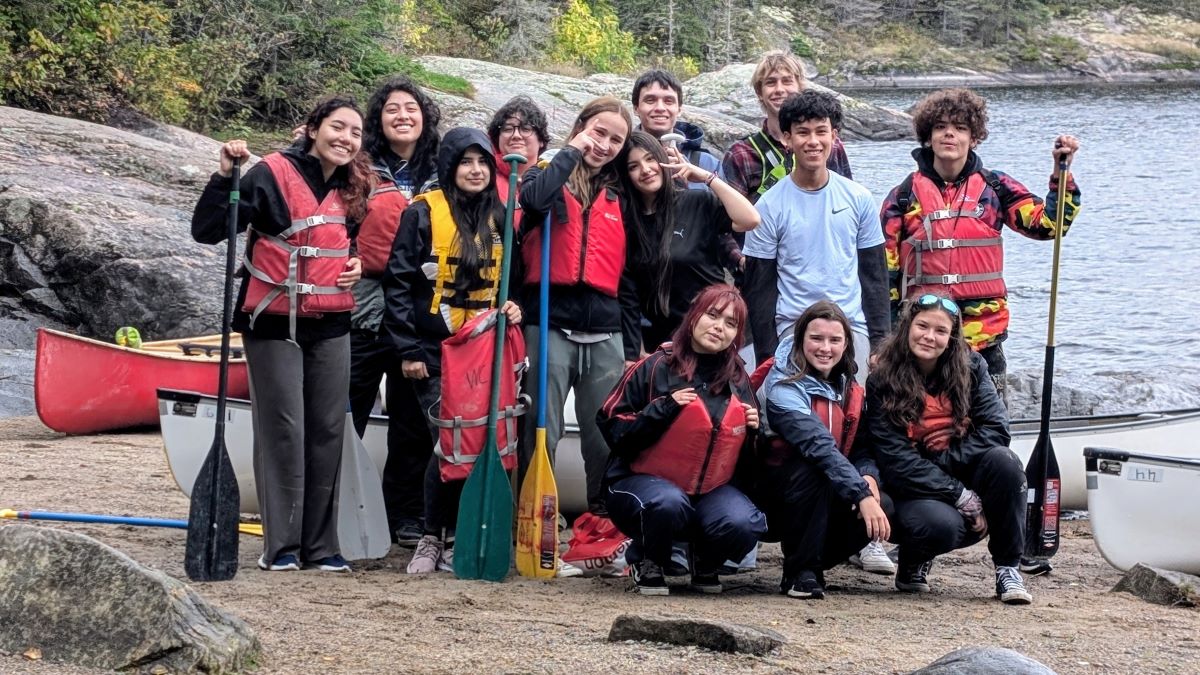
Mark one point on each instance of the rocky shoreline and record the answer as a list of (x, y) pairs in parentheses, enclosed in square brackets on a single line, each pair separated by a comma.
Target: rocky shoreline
[(979, 80)]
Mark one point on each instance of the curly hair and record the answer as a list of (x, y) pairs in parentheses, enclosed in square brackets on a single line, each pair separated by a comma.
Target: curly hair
[(524, 109), (424, 156), (359, 177), (810, 104), (902, 386), (957, 105)]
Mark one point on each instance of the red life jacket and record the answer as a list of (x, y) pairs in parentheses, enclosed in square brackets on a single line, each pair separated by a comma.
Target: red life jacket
[(951, 251), (295, 272), (589, 247), (466, 392), (936, 420), (378, 230), (695, 454), (841, 419)]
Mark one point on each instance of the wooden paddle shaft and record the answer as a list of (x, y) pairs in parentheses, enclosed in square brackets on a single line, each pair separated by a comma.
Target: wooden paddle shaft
[(1060, 228)]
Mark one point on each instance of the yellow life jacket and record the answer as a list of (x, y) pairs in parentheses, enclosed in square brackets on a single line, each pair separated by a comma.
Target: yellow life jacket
[(454, 307)]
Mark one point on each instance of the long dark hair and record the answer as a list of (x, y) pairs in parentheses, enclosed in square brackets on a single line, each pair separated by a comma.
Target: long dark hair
[(829, 311), (584, 186), (478, 219), (650, 243), (683, 355), (423, 162), (902, 387), (359, 177)]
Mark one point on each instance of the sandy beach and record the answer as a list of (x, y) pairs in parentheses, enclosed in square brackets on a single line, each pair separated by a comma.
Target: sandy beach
[(378, 619)]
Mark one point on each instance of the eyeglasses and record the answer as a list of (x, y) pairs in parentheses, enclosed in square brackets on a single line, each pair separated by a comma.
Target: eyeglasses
[(929, 301), (514, 129)]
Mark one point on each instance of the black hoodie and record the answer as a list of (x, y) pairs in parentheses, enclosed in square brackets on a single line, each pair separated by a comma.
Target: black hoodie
[(415, 332), (261, 204)]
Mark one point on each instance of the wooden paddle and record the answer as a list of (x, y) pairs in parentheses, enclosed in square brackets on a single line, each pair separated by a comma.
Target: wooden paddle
[(362, 515), (253, 529), (537, 508), (212, 534), (483, 543), (1041, 473)]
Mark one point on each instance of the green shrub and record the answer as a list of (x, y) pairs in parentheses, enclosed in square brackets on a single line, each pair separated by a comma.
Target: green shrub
[(590, 36), (802, 47)]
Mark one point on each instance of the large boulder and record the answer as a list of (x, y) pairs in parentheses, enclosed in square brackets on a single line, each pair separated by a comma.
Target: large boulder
[(727, 91), (984, 661), (79, 601), (1162, 587), (94, 229), (718, 636), (722, 103)]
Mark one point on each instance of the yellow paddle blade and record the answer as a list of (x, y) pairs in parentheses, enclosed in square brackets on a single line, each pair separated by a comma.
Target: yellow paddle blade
[(537, 517), (252, 529)]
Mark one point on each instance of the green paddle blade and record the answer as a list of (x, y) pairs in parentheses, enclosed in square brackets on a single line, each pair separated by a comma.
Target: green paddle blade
[(483, 537)]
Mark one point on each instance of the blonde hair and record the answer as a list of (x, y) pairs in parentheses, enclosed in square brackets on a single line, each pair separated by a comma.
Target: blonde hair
[(580, 183), (772, 61)]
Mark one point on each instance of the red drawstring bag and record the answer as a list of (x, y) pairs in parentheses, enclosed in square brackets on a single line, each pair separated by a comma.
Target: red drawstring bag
[(597, 547)]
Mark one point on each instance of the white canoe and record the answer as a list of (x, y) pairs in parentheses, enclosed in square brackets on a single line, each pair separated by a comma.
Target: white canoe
[(1143, 508), (188, 418), (187, 426)]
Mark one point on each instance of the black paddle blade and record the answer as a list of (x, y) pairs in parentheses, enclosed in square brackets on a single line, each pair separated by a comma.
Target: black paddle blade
[(212, 535), (1043, 512)]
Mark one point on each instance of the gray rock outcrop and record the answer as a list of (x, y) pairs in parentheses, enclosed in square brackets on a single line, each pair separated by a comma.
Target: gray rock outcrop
[(94, 229), (1162, 587), (79, 601), (984, 661), (722, 102), (715, 635)]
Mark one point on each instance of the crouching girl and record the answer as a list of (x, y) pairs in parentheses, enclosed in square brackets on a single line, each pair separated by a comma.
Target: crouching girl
[(940, 433), (679, 426), (444, 269), (820, 489)]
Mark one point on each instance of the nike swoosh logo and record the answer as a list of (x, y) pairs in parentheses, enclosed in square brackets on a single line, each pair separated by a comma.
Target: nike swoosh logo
[(837, 211)]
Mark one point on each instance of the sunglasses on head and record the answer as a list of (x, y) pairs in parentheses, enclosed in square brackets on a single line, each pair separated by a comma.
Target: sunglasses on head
[(929, 301)]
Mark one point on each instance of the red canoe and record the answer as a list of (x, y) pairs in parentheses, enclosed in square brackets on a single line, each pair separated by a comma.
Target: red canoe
[(83, 386)]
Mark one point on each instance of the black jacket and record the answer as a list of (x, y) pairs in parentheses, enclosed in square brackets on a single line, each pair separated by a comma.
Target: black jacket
[(641, 409), (910, 472), (578, 307), (261, 204), (416, 334)]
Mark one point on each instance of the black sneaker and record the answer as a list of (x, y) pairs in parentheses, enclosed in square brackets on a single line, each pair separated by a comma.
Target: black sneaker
[(806, 586), (913, 578), (1036, 567), (707, 583), (408, 532), (1010, 587), (648, 579)]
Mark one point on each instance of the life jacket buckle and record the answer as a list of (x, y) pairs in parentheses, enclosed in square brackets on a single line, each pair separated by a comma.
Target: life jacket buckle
[(308, 251), (313, 221), (305, 289), (940, 244), (951, 279), (940, 214)]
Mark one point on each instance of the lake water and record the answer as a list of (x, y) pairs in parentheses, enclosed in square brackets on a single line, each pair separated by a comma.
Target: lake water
[(1129, 289)]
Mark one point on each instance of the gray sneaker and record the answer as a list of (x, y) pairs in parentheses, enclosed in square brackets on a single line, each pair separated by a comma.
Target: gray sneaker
[(1010, 587), (427, 555)]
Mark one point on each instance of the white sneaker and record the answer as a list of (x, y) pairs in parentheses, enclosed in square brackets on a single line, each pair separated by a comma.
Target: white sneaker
[(445, 561), (427, 555), (873, 558), (566, 569)]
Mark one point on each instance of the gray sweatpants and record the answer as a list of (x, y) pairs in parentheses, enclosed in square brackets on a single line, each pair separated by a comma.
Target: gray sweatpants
[(299, 399), (592, 370)]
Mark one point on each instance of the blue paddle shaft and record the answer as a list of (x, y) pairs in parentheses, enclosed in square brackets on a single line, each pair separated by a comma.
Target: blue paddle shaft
[(544, 324)]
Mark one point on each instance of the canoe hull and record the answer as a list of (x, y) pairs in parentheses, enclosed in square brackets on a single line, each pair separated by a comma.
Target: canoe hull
[(1143, 509), (84, 386)]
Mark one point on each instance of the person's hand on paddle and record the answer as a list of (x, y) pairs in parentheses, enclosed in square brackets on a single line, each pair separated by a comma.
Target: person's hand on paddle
[(684, 396), (878, 527), (230, 151), (512, 311), (1065, 147), (751, 416), (414, 370), (351, 274)]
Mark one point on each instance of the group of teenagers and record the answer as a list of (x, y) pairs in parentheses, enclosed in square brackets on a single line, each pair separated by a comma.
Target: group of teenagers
[(373, 239)]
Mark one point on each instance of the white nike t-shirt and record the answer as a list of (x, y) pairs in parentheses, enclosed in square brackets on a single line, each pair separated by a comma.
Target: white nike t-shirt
[(814, 237)]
